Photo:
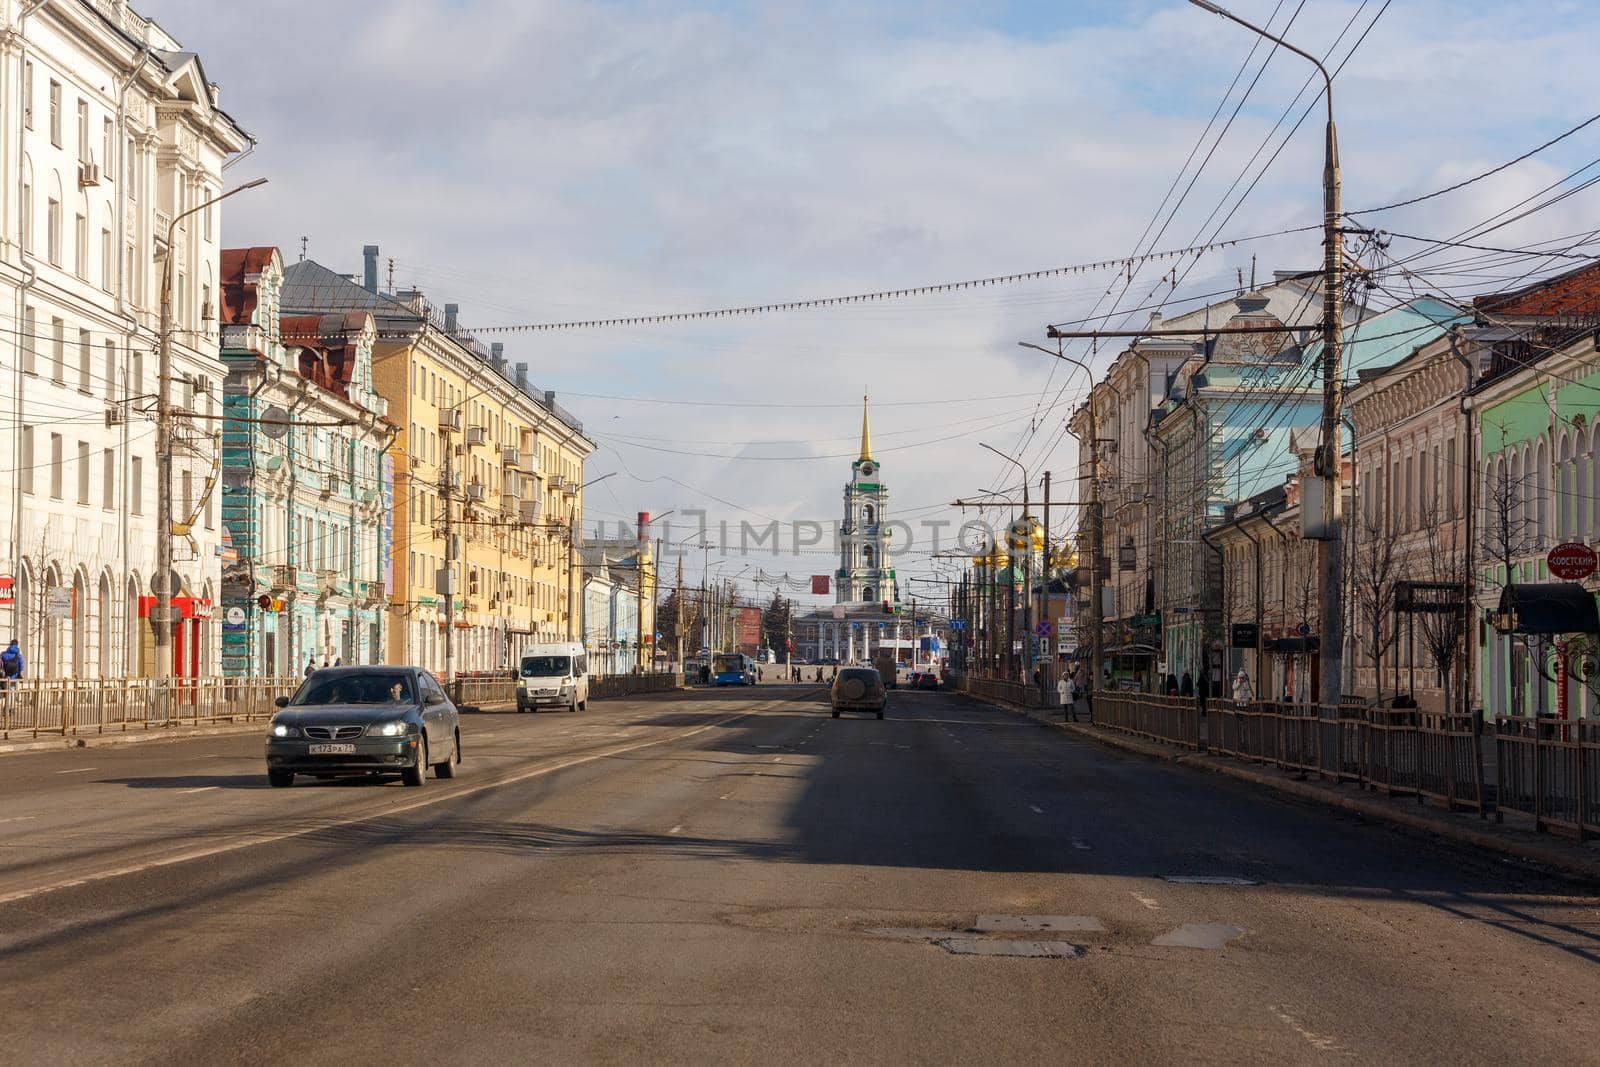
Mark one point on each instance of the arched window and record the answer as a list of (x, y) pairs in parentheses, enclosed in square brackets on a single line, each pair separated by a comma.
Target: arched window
[(869, 515), (1541, 488), (869, 593), (867, 555), (1564, 486), (1594, 480)]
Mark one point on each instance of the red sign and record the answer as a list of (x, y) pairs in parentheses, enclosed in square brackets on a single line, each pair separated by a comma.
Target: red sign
[(1571, 562), (8, 589), (819, 584)]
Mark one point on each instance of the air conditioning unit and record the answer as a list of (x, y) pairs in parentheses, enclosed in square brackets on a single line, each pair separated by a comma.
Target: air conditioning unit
[(202, 382), (476, 435), (88, 174), (450, 421), (114, 416), (532, 511), (475, 492)]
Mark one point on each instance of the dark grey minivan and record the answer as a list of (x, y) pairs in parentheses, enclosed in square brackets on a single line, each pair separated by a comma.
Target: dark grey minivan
[(365, 721)]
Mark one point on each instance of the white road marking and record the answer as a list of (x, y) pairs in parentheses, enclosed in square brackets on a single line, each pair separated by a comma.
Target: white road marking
[(1146, 901), (675, 829), (777, 759), (19, 818), (252, 840), (724, 796), (79, 770), (200, 789), (1083, 845), (1037, 810), (1320, 1042)]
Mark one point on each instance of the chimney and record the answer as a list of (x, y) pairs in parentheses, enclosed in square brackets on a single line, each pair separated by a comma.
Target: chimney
[(450, 312), (644, 520), (369, 255), (550, 399), (522, 376), (497, 355)]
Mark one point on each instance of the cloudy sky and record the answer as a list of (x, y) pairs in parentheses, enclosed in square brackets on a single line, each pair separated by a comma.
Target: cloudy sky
[(541, 161)]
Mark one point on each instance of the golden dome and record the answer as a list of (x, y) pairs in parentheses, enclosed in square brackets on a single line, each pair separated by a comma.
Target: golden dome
[(1024, 534)]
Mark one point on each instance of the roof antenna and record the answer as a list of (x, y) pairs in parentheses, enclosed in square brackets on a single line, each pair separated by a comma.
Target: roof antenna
[(391, 275), (1252, 271), (303, 242)]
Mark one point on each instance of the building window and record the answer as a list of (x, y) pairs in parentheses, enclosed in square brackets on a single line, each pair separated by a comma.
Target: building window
[(58, 351), (25, 221), (108, 479), (136, 374), (83, 130), (206, 215), (52, 231), (83, 472), (80, 240), (30, 340), (85, 361), (107, 135), (111, 370), (55, 466), (108, 261), (27, 459), (55, 113), (136, 485)]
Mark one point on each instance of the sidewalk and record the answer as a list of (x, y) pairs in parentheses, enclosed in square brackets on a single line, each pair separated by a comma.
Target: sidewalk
[(1514, 837)]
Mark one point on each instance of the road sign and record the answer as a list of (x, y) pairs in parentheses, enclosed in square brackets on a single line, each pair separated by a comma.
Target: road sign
[(1304, 630), (1572, 561), (233, 618), (958, 624), (1043, 629)]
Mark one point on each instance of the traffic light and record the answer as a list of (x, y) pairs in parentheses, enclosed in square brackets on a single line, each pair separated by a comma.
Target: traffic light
[(264, 602), (887, 608)]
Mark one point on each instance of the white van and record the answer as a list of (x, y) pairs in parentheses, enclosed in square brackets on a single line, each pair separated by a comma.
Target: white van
[(553, 675)]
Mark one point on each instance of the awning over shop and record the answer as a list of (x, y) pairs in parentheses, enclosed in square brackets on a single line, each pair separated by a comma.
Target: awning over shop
[(1292, 645), (1131, 650), (1548, 608)]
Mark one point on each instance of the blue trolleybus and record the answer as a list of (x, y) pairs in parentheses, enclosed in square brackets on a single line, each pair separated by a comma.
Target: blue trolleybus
[(732, 668)]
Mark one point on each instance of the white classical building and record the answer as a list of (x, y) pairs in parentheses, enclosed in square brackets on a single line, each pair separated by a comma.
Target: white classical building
[(109, 131)]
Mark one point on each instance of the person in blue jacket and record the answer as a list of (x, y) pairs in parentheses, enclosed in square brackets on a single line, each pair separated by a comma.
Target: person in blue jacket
[(11, 663)]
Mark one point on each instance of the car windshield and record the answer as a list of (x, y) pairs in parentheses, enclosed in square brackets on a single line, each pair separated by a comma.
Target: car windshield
[(387, 688), (859, 673), (545, 666)]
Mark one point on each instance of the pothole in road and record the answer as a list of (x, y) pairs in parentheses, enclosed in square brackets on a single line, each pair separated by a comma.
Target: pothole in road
[(1212, 936), (979, 946)]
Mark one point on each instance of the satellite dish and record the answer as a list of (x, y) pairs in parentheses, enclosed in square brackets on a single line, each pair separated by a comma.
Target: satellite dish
[(274, 422)]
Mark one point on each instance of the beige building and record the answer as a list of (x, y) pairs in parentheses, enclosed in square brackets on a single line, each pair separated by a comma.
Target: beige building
[(488, 473)]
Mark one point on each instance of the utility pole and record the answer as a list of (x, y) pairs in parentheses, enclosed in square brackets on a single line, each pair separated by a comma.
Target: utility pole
[(161, 615), (1049, 640), (680, 613), (1096, 550), (1330, 541)]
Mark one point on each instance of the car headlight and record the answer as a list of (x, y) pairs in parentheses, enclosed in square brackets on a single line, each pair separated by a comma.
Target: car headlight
[(280, 729), (389, 729)]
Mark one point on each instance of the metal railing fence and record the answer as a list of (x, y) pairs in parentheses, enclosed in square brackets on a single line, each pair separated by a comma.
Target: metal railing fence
[(33, 707), (1158, 718), (1550, 769)]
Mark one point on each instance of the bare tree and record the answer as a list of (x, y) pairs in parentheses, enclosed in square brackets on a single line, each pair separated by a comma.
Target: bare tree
[(1504, 535), (1373, 579), (1443, 622)]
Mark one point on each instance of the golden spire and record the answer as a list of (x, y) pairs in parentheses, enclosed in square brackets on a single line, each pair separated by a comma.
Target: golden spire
[(866, 432)]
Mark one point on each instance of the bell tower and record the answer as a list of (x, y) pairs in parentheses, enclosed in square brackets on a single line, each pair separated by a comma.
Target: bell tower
[(865, 572)]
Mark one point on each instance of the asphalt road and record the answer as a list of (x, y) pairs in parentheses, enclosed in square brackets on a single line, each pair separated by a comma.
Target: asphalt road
[(735, 876)]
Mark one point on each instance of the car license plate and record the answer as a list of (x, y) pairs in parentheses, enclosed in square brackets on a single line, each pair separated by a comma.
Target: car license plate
[(331, 750)]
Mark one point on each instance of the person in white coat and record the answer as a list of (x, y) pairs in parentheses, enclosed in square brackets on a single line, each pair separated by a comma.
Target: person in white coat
[(1242, 692)]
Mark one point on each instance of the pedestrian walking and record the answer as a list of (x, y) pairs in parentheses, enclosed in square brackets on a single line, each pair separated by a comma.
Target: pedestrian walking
[(1172, 685), (311, 665), (1242, 691), (1064, 693), (1186, 687), (11, 664)]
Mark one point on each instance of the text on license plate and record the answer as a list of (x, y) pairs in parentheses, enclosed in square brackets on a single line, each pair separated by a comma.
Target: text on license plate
[(331, 750)]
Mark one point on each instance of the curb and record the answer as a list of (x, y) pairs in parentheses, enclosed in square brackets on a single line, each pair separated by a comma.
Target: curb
[(1565, 861), (129, 737)]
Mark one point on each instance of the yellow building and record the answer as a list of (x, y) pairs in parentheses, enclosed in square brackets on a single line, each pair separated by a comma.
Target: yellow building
[(488, 473)]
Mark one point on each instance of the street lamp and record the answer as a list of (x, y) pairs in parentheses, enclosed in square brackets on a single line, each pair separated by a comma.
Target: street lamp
[(1323, 524), (161, 619)]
